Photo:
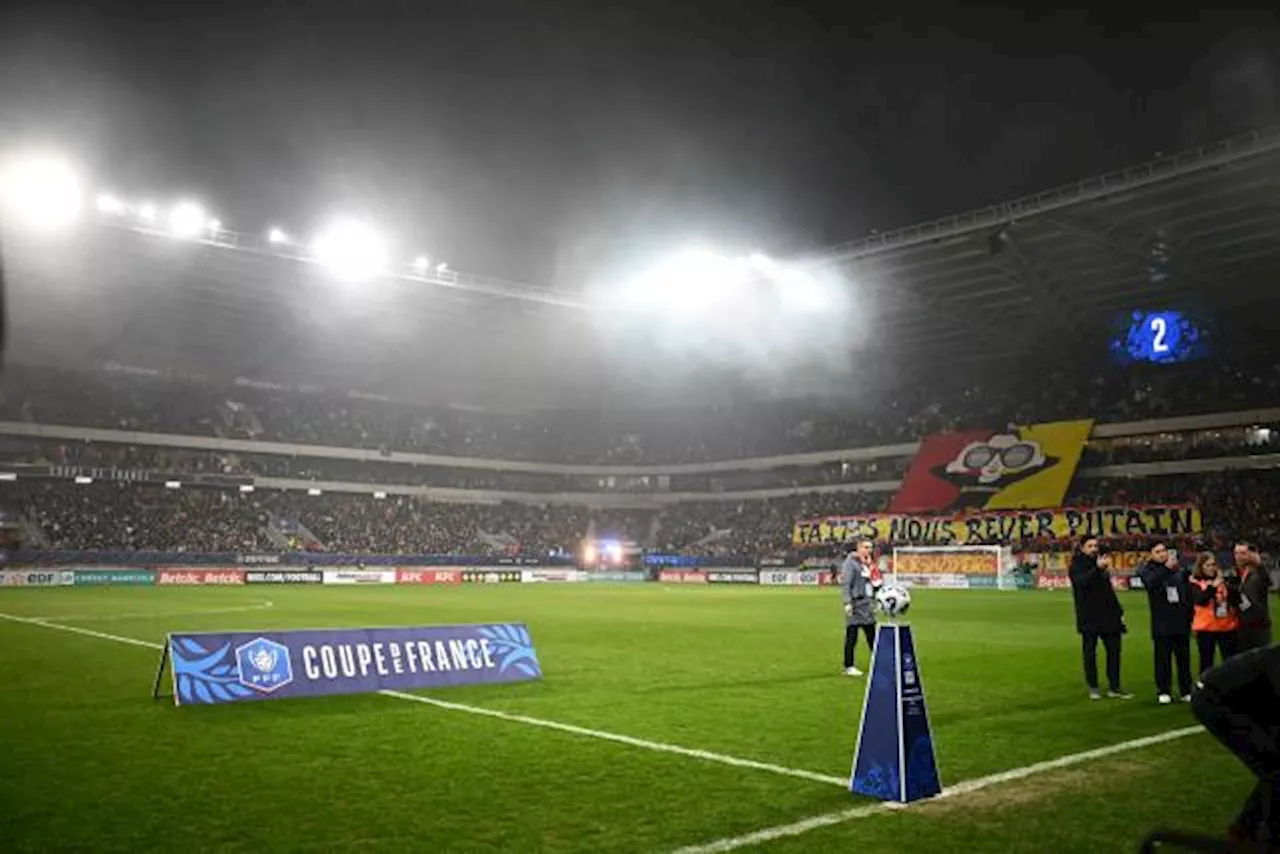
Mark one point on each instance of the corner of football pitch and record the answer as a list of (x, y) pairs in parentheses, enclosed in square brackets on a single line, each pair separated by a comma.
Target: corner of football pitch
[(669, 718)]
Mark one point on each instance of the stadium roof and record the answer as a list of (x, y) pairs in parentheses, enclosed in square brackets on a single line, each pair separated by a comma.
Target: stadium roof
[(1197, 229)]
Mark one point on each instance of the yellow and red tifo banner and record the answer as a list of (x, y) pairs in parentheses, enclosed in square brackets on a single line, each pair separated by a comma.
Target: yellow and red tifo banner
[(1008, 469), (1003, 527)]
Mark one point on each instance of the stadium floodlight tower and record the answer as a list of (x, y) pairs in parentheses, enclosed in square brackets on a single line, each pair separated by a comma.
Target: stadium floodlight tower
[(351, 250), (42, 191), (187, 219)]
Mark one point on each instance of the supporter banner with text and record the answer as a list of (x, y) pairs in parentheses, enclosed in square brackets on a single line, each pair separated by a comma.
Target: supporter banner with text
[(945, 563), (1003, 527), (993, 469), (37, 578), (283, 576), (234, 667), (200, 576)]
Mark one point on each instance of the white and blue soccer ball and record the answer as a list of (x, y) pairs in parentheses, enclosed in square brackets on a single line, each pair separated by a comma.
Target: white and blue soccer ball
[(894, 600)]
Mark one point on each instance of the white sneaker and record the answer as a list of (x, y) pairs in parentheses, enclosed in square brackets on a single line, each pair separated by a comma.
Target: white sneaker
[(1186, 698), (1119, 695), (1095, 694), (852, 671), (1165, 699)]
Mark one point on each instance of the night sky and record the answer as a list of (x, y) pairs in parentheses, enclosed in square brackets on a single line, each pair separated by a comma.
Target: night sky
[(553, 141)]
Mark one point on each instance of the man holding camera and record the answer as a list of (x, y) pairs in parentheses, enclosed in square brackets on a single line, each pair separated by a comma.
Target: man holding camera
[(1168, 588), (1099, 617)]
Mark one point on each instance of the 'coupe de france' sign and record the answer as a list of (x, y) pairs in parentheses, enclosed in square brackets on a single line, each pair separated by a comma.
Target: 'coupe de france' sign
[(233, 667)]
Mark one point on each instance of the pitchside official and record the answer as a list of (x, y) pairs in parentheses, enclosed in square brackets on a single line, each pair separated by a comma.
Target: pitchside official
[(1099, 617), (858, 580), (1168, 587), (1255, 610)]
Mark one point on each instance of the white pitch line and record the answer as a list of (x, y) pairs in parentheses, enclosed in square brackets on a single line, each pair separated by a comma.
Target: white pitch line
[(658, 746), (85, 618), (769, 834)]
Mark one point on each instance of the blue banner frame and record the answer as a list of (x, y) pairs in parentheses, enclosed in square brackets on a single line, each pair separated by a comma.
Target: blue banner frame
[(212, 668), (895, 758)]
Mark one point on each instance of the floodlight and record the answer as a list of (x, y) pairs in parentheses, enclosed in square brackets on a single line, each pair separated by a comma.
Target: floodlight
[(109, 204), (442, 267), (43, 191), (351, 250), (215, 226), (275, 235), (187, 219), (147, 212), (421, 265)]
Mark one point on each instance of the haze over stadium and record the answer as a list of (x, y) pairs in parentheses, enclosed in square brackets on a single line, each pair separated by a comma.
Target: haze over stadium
[(349, 316)]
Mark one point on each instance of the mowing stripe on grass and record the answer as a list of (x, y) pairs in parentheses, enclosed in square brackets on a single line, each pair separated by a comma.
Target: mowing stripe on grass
[(769, 834), (657, 746)]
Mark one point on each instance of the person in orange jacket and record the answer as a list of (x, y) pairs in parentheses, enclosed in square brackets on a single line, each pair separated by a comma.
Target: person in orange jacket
[(1217, 610)]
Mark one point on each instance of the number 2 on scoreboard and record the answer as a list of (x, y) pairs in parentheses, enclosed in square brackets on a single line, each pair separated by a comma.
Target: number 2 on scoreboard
[(1159, 330)]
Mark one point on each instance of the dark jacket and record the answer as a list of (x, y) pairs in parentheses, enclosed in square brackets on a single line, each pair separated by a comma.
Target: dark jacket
[(1098, 608), (1255, 585), (1169, 592)]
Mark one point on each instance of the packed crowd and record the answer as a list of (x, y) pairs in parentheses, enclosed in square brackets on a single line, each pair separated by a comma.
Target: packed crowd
[(905, 411), (103, 516)]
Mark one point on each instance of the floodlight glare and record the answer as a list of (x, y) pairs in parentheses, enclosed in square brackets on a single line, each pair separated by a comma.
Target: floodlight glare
[(421, 265), (109, 204), (351, 250), (187, 219), (442, 267), (41, 190), (275, 235), (147, 212)]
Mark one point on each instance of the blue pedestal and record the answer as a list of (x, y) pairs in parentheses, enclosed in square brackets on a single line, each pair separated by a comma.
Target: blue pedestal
[(895, 760)]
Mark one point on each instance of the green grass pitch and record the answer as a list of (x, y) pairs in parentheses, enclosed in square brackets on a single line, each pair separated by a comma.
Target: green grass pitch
[(88, 762)]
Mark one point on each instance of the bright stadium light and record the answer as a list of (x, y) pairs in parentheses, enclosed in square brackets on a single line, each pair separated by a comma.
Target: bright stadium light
[(689, 282), (422, 265), (442, 267), (43, 191), (147, 212), (351, 250), (277, 236), (109, 204), (187, 219), (215, 226)]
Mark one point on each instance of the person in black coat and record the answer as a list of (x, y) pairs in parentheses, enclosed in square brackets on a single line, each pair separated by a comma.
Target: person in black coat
[(1099, 617), (1239, 703), (1168, 587), (1255, 587)]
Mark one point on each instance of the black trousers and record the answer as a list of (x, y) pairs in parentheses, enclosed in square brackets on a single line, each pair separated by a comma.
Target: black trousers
[(1207, 642), (1233, 722), (851, 640), (1169, 649), (1253, 637), (1089, 646)]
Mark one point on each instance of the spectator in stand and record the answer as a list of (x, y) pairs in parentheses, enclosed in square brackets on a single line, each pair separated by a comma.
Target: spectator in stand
[(1255, 587), (1099, 617), (1168, 588), (1217, 616)]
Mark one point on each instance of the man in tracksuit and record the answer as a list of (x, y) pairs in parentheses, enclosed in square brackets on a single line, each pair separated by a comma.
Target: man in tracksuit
[(1099, 617), (1168, 588), (1255, 610), (858, 579), (1239, 703)]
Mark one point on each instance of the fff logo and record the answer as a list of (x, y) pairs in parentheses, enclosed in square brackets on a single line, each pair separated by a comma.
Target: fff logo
[(264, 665)]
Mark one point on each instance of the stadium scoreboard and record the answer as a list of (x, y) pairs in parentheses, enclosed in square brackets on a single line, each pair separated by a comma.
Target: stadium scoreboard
[(1165, 336)]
